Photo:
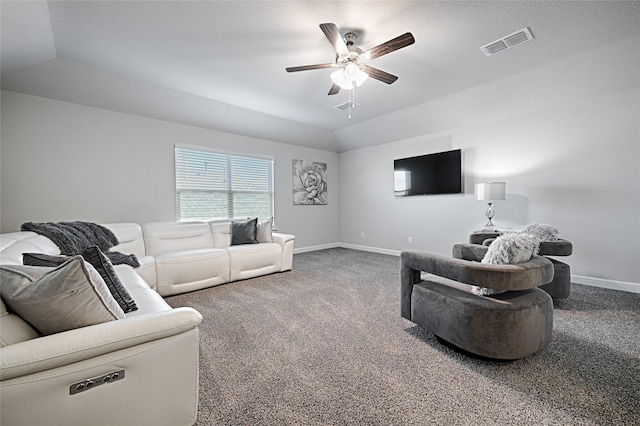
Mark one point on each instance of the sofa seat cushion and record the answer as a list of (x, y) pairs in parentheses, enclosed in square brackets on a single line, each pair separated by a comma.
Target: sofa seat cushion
[(148, 300), (147, 269), (252, 260), (189, 270)]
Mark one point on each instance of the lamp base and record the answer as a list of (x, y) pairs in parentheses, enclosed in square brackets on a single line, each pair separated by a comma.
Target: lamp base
[(489, 227)]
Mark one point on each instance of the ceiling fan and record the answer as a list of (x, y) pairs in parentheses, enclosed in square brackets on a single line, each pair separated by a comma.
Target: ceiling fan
[(351, 62)]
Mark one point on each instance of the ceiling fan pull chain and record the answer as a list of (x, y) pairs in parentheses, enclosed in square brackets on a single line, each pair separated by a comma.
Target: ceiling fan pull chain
[(352, 97)]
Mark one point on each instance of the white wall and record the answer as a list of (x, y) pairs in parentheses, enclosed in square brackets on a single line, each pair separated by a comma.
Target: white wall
[(63, 161), (573, 163), (565, 138)]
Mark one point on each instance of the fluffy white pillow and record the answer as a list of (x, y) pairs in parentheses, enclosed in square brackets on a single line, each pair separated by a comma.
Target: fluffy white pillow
[(511, 248), (507, 249), (541, 231)]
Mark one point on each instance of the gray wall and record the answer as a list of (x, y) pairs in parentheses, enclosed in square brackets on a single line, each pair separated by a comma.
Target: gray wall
[(63, 161), (569, 152)]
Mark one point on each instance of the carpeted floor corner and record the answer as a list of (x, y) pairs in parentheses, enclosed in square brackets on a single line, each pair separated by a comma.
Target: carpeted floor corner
[(325, 344)]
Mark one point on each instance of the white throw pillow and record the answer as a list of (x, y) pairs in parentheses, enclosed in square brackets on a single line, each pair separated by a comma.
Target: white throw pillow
[(264, 231)]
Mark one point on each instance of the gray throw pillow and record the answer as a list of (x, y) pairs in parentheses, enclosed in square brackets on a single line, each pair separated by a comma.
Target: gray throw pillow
[(264, 231), (103, 265), (100, 262), (244, 232), (53, 300), (42, 259)]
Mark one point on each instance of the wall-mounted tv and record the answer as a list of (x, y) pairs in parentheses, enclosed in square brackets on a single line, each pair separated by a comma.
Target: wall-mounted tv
[(431, 174)]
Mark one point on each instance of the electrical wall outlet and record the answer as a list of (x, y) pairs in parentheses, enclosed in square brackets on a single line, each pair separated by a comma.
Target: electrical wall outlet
[(410, 239), (362, 235)]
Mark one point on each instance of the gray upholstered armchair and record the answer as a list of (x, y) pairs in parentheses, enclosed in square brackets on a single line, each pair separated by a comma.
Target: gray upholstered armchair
[(509, 325)]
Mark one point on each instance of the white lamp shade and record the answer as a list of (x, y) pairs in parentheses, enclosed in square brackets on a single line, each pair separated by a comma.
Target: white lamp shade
[(490, 191)]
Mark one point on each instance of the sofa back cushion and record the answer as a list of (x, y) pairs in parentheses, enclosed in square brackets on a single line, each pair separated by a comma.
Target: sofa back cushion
[(166, 237), (221, 231), (13, 244), (129, 236)]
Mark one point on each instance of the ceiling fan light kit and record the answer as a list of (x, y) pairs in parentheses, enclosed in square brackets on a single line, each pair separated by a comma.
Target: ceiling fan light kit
[(351, 62), (348, 76)]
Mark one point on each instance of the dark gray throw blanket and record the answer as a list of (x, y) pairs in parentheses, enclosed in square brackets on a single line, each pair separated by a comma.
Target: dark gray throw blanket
[(72, 238)]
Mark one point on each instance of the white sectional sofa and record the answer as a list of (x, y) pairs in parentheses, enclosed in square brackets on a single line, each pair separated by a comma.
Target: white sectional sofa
[(176, 257), (153, 351)]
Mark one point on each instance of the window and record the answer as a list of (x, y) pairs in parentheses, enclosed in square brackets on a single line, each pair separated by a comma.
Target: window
[(217, 185)]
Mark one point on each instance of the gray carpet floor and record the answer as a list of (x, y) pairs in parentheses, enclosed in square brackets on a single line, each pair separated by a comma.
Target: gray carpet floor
[(325, 344)]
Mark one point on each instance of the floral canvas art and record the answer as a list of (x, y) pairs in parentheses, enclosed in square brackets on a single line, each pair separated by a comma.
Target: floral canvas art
[(309, 183)]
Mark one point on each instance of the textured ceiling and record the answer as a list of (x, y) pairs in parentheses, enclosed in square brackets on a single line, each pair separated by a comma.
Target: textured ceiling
[(187, 61)]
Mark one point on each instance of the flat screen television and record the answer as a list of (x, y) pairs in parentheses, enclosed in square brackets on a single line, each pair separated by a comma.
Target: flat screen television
[(431, 174)]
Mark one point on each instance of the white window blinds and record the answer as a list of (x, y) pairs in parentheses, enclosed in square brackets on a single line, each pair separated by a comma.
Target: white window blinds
[(216, 185)]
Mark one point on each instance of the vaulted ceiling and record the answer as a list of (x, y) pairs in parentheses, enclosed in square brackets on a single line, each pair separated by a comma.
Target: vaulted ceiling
[(221, 64)]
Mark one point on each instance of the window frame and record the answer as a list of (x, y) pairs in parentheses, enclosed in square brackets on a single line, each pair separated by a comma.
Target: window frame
[(229, 191)]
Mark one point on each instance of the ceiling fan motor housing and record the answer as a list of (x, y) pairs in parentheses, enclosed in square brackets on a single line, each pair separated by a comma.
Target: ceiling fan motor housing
[(350, 38)]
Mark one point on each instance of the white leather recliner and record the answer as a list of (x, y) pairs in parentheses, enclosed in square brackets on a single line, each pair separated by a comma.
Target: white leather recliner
[(140, 370)]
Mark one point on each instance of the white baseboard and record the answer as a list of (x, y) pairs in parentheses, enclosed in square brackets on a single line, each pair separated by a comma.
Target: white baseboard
[(578, 279), (370, 249), (612, 284), (315, 248)]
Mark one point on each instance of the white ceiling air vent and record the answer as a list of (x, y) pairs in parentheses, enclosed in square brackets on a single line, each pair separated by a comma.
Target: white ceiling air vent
[(507, 42), (347, 105)]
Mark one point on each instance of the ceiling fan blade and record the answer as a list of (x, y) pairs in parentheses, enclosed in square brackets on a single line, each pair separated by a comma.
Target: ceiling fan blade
[(310, 67), (383, 76), (332, 33), (397, 43), (334, 89)]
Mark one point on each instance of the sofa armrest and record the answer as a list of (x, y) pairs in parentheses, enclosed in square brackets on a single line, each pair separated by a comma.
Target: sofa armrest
[(286, 241), (281, 239), (71, 346)]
